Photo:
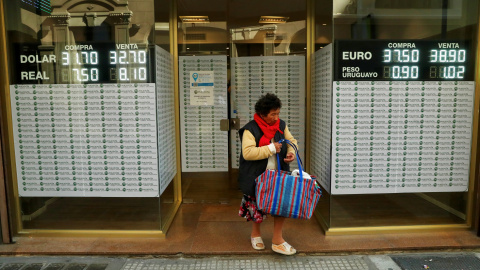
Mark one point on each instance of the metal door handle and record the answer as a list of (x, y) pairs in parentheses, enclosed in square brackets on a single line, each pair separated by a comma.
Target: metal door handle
[(235, 123), (229, 124)]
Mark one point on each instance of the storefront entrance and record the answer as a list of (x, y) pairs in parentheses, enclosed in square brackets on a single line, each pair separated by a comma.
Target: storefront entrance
[(248, 53), (115, 113)]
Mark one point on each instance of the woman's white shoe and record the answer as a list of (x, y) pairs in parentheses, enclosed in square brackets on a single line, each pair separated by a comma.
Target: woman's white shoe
[(257, 243), (284, 249)]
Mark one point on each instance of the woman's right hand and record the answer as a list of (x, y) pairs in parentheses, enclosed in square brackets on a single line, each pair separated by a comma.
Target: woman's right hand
[(278, 146)]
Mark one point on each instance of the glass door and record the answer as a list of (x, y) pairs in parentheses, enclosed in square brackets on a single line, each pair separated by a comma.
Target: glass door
[(203, 49), (229, 55)]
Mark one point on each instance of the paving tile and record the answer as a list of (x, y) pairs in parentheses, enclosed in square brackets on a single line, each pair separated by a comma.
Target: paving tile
[(47, 245), (417, 240), (465, 238), (221, 237)]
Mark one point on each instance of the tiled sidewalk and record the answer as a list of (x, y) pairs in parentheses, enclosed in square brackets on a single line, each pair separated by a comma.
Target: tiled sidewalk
[(432, 261)]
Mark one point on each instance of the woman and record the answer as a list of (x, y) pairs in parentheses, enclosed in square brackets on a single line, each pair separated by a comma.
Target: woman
[(259, 148)]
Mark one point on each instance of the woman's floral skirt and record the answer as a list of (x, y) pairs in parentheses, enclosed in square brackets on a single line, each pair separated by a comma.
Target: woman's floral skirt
[(249, 210)]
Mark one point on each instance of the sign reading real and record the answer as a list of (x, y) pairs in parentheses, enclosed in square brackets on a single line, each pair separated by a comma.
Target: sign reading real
[(423, 60)]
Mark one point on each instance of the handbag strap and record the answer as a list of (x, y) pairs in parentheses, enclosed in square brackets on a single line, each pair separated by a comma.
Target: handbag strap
[(299, 161), (294, 148)]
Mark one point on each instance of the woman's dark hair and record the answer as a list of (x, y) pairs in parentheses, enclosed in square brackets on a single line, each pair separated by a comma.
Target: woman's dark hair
[(267, 103)]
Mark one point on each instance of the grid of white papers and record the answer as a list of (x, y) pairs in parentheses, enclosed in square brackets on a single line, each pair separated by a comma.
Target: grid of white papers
[(167, 153), (255, 76), (96, 140), (321, 116), (204, 145), (401, 136)]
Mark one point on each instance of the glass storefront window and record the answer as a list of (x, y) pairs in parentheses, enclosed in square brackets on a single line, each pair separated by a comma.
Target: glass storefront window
[(91, 98), (414, 165)]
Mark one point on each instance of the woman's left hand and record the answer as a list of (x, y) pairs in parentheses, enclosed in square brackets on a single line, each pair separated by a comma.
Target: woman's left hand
[(290, 157)]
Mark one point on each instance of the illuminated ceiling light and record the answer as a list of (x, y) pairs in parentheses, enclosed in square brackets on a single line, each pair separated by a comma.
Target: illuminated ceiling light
[(273, 19), (324, 24), (194, 19), (188, 48)]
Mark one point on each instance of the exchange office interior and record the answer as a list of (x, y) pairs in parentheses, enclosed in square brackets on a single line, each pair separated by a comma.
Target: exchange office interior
[(116, 112)]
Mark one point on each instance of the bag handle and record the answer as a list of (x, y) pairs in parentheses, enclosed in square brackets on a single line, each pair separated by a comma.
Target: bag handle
[(299, 161)]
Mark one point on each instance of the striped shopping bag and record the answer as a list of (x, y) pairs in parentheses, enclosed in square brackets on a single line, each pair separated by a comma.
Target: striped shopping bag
[(282, 194)]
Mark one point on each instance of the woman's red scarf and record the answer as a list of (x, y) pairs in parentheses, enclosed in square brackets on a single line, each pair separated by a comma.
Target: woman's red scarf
[(268, 130)]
